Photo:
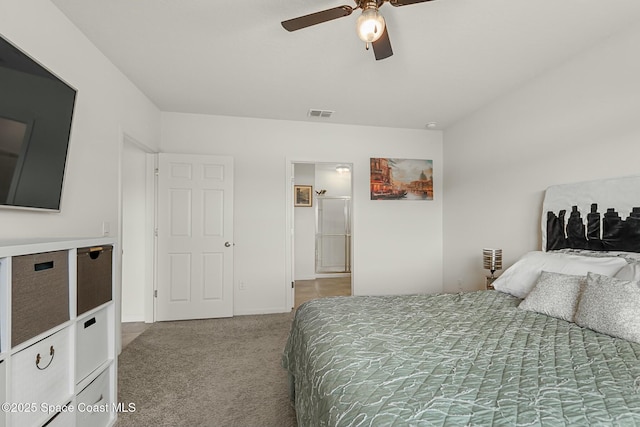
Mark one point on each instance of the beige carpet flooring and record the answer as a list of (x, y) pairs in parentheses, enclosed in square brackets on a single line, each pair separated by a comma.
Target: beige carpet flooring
[(215, 372)]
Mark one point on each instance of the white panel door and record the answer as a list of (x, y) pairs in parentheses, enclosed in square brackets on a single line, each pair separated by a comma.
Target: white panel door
[(195, 237)]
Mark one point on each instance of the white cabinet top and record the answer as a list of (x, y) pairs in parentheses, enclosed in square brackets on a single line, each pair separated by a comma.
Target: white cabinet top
[(15, 247)]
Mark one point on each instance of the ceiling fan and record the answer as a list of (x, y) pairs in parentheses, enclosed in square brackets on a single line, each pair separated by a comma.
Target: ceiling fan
[(370, 25)]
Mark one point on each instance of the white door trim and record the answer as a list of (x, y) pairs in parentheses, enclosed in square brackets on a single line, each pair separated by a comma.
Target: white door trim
[(289, 217), (126, 138), (289, 235)]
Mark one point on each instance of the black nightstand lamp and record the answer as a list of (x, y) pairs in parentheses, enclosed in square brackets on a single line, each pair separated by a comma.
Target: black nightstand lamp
[(492, 259)]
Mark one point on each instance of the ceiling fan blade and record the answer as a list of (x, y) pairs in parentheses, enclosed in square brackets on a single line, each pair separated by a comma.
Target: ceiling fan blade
[(397, 3), (382, 46), (317, 18)]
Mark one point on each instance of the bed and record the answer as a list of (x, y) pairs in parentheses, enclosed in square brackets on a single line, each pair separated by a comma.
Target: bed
[(557, 342)]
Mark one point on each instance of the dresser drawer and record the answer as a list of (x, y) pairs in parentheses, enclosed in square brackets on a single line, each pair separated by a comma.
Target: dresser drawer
[(94, 403), (94, 277), (92, 343), (64, 418), (39, 294), (41, 374)]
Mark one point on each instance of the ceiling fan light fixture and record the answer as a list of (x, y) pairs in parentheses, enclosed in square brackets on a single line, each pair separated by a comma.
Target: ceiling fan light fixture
[(370, 24)]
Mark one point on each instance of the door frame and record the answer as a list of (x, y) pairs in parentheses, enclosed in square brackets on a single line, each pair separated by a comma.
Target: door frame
[(150, 154), (290, 223)]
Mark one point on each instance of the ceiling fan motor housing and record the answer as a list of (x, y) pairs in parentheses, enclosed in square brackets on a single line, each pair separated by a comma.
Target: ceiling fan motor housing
[(362, 4)]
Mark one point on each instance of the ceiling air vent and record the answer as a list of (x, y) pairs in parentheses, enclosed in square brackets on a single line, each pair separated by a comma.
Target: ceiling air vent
[(320, 113)]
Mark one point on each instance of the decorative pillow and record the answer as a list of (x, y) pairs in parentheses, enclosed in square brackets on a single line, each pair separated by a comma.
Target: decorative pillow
[(519, 279), (555, 295), (610, 306)]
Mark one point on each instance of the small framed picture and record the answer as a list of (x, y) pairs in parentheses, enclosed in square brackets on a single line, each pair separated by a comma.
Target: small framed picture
[(302, 195)]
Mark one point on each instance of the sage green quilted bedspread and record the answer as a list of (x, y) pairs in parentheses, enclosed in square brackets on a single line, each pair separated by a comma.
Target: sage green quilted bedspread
[(470, 359)]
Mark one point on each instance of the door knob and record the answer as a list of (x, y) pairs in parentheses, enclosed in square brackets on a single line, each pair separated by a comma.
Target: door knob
[(227, 244)]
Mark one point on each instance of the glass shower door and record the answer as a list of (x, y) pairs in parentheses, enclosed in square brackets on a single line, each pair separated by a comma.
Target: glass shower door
[(333, 235)]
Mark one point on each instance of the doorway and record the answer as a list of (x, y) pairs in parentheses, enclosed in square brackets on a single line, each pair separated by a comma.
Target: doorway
[(321, 233), (135, 234)]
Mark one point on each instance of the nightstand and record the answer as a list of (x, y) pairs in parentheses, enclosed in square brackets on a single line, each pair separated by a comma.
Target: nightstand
[(489, 282)]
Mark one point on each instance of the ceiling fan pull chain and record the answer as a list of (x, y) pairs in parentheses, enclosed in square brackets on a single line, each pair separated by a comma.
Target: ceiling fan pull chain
[(366, 45)]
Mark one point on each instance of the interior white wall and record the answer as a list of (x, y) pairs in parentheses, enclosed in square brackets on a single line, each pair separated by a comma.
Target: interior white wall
[(107, 103), (304, 227), (327, 178), (576, 122), (398, 244)]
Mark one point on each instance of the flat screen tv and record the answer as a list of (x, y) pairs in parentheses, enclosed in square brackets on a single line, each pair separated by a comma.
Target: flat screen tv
[(36, 109)]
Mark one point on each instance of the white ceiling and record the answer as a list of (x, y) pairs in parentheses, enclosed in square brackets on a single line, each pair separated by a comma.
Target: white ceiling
[(233, 58)]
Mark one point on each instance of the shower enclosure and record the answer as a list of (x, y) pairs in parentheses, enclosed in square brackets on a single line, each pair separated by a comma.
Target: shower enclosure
[(333, 234)]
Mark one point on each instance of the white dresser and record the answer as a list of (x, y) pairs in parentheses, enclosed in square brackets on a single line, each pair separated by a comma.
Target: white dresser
[(58, 363)]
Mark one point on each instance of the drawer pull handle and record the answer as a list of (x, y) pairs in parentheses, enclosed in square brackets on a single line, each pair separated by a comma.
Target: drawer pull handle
[(52, 352), (95, 252), (43, 266), (100, 399), (89, 322)]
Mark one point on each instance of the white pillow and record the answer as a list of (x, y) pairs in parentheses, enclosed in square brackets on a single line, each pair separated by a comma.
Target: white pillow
[(629, 272), (520, 278)]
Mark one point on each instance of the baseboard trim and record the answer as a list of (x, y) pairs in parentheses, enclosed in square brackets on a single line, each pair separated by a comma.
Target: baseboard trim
[(271, 310), (131, 319)]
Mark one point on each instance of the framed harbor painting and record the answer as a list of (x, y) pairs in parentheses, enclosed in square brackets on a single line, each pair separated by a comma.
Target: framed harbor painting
[(302, 195), (401, 179)]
